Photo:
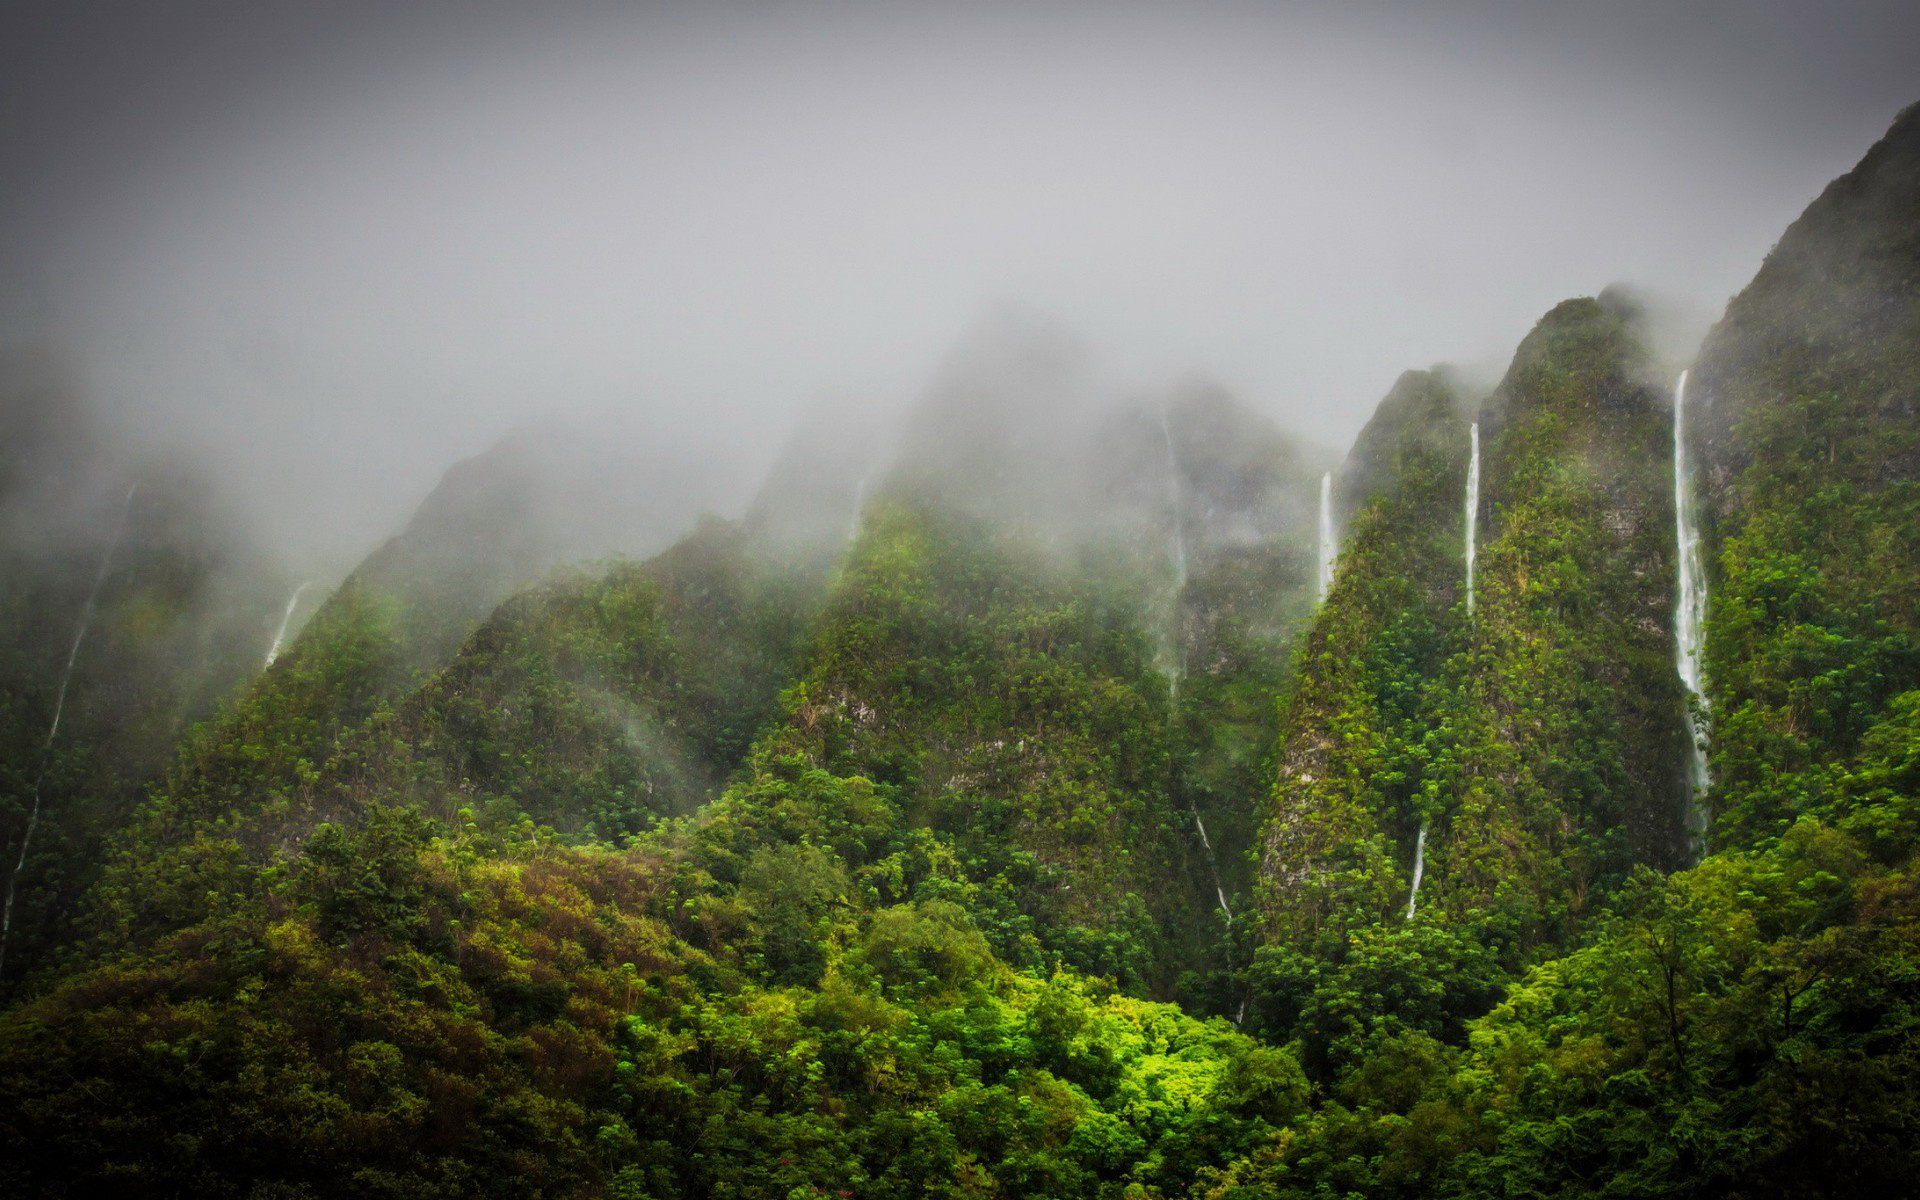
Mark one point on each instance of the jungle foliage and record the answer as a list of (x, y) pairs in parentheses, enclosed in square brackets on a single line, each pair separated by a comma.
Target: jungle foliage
[(729, 875)]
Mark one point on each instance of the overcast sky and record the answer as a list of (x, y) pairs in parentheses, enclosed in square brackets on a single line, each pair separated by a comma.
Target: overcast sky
[(342, 244)]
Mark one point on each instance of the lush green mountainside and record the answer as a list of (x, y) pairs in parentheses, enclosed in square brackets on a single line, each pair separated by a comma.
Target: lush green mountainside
[(974, 759), (855, 850), (1364, 725), (496, 524), (1187, 505), (1571, 754), (1245, 503), (596, 706), (593, 706), (131, 606), (1522, 757), (1017, 716), (1810, 391), (1746, 1027)]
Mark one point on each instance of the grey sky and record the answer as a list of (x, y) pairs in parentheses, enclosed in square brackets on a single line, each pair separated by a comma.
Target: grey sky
[(344, 244)]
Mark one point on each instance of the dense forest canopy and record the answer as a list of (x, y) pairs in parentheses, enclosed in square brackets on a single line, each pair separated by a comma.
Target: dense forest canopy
[(1062, 790)]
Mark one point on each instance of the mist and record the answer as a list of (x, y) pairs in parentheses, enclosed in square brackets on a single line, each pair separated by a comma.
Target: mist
[(327, 253)]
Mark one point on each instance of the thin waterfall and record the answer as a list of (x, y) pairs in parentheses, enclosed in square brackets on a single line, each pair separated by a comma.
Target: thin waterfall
[(859, 503), (1179, 552), (1473, 507), (53, 727), (1419, 868), (280, 634), (1213, 864), (1178, 549), (1327, 548), (1689, 615), (1179, 506)]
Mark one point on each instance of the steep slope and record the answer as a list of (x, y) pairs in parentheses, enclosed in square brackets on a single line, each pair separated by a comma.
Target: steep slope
[(1244, 501), (130, 607), (1369, 709), (1013, 711), (593, 705), (1745, 1027), (807, 510), (500, 521), (597, 705), (1571, 757), (903, 950), (267, 767), (1190, 507), (1517, 760), (1810, 436)]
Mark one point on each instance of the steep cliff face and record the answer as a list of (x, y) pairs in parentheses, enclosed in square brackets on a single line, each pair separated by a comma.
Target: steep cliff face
[(1817, 361), (1811, 441), (1409, 423), (596, 704), (1011, 711), (498, 522), (1368, 709), (1242, 500), (1186, 506), (593, 705), (1521, 756), (1570, 758), (843, 844), (130, 605)]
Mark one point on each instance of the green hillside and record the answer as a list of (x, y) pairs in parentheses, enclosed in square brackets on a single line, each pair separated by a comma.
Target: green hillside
[(1004, 815)]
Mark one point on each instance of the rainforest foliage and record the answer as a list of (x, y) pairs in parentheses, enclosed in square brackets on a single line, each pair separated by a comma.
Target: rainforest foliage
[(964, 855)]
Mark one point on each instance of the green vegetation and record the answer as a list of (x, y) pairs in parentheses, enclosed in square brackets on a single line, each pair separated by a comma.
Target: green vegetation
[(741, 874), (1814, 450), (1570, 756), (1367, 714), (593, 706), (1012, 715), (180, 617), (405, 1014), (1245, 604)]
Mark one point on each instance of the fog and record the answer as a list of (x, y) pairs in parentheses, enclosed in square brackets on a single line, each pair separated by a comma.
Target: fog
[(329, 250)]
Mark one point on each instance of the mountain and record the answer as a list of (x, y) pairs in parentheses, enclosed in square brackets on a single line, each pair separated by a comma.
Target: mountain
[(1809, 437), (1523, 756), (1372, 687), (1742, 1026), (132, 604), (1572, 756), (1004, 811)]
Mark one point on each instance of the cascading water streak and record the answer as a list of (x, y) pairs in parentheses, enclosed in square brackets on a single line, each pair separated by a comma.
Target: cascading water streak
[(1179, 506), (1690, 613), (1213, 864), (1328, 551), (859, 505), (53, 727), (1473, 507), (286, 617), (1179, 554), (1419, 868)]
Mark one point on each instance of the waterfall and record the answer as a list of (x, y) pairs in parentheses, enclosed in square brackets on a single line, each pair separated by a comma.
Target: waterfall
[(1689, 615), (1213, 864), (53, 727), (1327, 547), (1419, 868), (1473, 506), (1178, 549), (1179, 506), (280, 634), (859, 503), (1179, 553)]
